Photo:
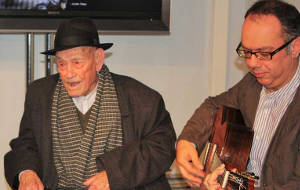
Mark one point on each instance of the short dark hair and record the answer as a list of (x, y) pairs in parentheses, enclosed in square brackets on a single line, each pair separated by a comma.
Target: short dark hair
[(287, 14)]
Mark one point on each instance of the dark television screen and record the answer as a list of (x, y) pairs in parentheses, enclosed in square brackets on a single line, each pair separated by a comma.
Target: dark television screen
[(109, 15)]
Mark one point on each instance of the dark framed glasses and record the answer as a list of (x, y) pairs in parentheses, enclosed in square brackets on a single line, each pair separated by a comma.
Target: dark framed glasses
[(259, 54)]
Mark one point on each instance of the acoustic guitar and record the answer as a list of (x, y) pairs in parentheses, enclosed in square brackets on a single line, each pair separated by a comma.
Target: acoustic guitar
[(230, 143)]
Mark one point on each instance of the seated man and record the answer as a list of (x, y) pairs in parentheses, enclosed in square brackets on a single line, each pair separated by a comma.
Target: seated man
[(268, 98), (87, 128)]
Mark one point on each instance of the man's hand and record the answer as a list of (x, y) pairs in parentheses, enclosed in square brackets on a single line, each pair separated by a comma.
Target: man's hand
[(29, 180), (98, 182), (210, 180), (188, 162)]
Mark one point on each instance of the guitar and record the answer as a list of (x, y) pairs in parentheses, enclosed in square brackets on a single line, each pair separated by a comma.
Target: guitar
[(230, 143)]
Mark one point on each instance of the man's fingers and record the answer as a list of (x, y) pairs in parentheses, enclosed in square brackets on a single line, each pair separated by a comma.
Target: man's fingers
[(234, 170), (98, 182), (30, 180), (215, 187), (191, 168), (197, 162), (189, 163), (89, 181), (193, 184), (220, 170), (187, 158), (99, 187), (189, 176), (216, 173), (210, 180)]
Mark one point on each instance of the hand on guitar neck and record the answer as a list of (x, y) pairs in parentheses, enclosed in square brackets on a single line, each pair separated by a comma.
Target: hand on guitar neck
[(211, 181), (221, 179)]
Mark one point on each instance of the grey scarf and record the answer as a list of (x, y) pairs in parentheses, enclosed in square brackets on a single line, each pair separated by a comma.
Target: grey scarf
[(75, 152)]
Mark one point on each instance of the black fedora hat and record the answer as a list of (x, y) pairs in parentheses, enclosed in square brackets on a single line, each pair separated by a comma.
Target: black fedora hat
[(76, 32)]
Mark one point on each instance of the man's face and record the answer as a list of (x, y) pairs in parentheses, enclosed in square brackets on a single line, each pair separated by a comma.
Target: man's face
[(263, 33), (78, 68)]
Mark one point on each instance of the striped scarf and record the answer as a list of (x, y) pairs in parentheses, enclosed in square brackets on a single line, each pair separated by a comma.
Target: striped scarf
[(75, 151)]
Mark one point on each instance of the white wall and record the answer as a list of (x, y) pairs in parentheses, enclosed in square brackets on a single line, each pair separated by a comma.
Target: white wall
[(175, 65), (185, 66), (12, 91)]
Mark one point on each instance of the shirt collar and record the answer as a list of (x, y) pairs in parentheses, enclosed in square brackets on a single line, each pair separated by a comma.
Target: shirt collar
[(84, 103)]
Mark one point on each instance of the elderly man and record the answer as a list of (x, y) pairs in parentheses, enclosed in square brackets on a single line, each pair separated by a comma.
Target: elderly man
[(87, 128), (268, 98)]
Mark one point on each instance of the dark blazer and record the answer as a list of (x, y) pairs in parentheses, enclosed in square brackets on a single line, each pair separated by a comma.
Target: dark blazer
[(281, 168), (142, 161)]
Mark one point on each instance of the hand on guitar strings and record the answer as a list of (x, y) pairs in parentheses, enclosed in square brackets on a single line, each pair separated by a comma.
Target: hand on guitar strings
[(211, 179), (189, 164)]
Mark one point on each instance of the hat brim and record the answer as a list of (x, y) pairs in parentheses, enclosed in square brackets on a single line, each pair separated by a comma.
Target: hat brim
[(104, 46)]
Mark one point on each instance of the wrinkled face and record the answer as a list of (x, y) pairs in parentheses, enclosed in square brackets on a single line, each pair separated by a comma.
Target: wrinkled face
[(264, 33), (78, 68)]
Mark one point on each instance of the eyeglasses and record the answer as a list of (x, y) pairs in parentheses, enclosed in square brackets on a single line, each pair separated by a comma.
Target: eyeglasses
[(261, 55)]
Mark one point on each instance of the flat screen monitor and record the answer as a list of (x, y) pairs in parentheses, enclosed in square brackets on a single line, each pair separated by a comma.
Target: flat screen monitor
[(111, 16)]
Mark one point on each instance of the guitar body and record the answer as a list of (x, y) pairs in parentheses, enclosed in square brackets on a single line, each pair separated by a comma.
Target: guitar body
[(230, 143), (232, 137)]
